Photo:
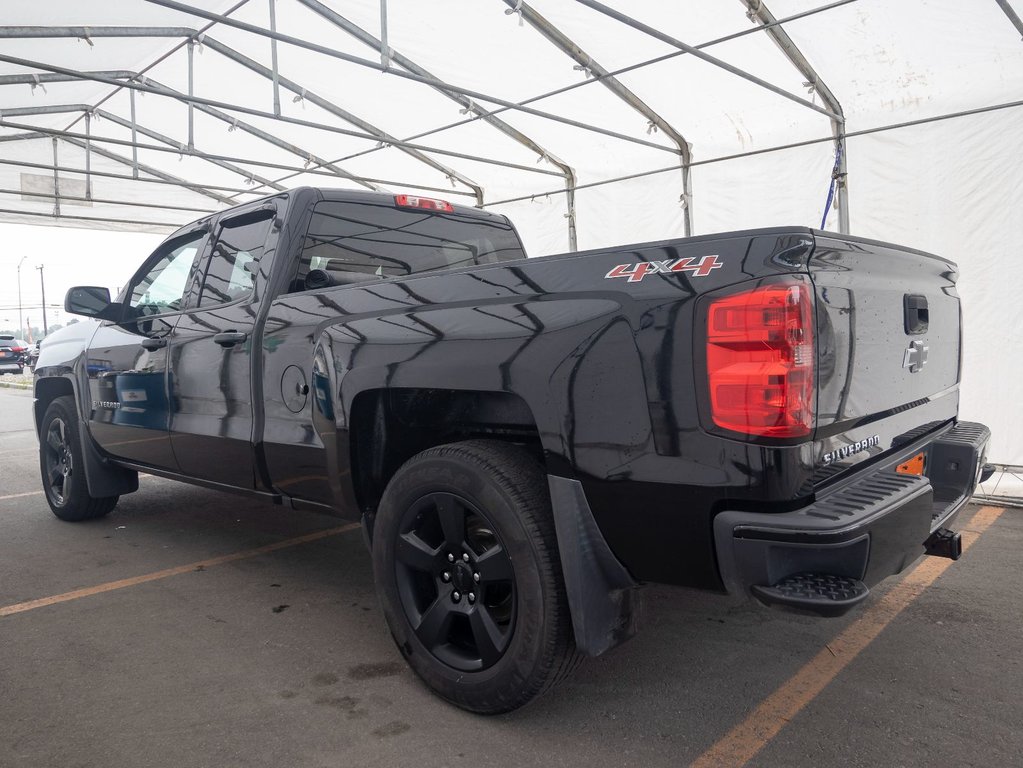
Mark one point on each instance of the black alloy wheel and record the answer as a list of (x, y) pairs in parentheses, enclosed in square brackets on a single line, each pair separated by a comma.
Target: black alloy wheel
[(57, 461), (466, 562), (455, 581), (61, 466)]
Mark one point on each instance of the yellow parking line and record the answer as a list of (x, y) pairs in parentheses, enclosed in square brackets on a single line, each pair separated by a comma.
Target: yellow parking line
[(21, 495), (142, 475), (110, 586), (744, 741)]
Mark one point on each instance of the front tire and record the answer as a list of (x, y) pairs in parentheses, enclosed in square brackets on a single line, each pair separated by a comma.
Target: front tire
[(466, 563), (61, 466)]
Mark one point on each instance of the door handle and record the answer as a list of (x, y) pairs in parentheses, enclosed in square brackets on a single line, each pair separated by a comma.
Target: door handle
[(230, 338), (151, 343), (916, 313)]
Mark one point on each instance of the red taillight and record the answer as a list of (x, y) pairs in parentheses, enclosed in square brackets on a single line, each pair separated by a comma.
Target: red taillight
[(760, 357), (411, 201)]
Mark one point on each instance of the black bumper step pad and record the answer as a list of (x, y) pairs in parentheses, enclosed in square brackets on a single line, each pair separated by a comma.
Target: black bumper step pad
[(823, 594)]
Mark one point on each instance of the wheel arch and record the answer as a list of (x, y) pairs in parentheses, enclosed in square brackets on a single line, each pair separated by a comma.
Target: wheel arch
[(388, 426), (48, 389)]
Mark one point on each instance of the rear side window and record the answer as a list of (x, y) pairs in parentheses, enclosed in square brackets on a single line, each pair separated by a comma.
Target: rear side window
[(359, 242), (234, 262)]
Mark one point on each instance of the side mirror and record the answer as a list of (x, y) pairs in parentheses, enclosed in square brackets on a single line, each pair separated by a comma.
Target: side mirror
[(88, 300)]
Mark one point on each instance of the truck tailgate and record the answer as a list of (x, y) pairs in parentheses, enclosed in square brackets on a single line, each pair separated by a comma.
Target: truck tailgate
[(888, 349)]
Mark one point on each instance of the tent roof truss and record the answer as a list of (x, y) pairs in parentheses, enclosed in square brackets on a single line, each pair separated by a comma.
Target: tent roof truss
[(313, 164)]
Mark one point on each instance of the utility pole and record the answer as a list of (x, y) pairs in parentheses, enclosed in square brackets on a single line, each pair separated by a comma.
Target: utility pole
[(21, 324), (42, 285)]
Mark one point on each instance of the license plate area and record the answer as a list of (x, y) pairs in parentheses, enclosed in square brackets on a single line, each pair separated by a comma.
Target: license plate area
[(914, 466)]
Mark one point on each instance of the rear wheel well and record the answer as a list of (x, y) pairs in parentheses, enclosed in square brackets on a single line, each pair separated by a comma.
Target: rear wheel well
[(390, 426), (48, 390)]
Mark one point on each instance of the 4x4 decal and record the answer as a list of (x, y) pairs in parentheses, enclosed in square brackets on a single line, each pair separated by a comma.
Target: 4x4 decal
[(636, 272)]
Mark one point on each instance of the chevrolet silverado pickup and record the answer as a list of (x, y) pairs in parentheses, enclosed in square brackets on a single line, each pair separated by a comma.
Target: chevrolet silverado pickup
[(769, 413)]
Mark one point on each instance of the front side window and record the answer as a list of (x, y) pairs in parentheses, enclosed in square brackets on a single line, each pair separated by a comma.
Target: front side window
[(162, 288), (234, 263), (354, 242)]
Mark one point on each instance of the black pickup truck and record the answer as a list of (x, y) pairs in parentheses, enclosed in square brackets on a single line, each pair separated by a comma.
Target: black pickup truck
[(768, 413)]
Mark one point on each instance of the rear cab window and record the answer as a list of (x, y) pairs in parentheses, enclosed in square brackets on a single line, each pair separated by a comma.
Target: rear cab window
[(355, 242), (230, 274)]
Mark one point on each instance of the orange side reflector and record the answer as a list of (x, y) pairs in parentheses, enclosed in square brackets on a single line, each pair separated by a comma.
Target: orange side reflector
[(914, 466)]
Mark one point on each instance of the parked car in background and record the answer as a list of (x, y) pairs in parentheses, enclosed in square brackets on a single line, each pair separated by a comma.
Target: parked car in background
[(12, 355), (32, 356)]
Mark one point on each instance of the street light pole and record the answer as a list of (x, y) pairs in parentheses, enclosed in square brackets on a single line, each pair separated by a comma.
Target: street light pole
[(21, 323), (42, 285)]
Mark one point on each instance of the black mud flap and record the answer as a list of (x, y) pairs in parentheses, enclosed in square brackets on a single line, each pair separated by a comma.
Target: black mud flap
[(601, 594), (102, 478)]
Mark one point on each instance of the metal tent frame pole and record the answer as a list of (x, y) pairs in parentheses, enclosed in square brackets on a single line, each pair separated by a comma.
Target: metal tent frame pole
[(110, 201), (666, 38), (597, 78), (468, 105), (269, 138), (145, 168), (254, 66), (173, 147), (780, 148), (173, 181), (88, 109), (1010, 12), (756, 10), (561, 41), (192, 37), (135, 128), (136, 222), (63, 31), (163, 57), (144, 86), (367, 63), (344, 115)]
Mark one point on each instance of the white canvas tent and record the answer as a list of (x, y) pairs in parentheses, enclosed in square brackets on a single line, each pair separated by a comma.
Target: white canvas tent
[(588, 123)]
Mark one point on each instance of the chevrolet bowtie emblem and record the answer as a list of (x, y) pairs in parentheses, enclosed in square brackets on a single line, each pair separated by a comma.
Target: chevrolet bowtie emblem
[(915, 357)]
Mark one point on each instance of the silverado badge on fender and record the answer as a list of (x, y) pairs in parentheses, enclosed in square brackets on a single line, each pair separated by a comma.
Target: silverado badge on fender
[(666, 267)]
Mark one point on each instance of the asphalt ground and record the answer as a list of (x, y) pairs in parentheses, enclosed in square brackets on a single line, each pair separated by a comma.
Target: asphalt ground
[(194, 628)]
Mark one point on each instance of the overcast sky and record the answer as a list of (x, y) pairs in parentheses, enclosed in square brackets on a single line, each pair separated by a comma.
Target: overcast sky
[(69, 257)]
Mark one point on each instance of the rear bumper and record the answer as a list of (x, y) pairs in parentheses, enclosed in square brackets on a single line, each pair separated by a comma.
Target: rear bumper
[(864, 530)]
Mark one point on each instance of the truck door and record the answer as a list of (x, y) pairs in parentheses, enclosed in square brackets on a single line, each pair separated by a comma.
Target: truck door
[(214, 348), (126, 362)]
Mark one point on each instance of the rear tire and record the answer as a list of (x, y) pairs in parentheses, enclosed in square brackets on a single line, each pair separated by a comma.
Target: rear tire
[(467, 567), (61, 466)]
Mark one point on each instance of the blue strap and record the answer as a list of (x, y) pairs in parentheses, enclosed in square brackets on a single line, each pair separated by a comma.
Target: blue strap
[(834, 183)]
